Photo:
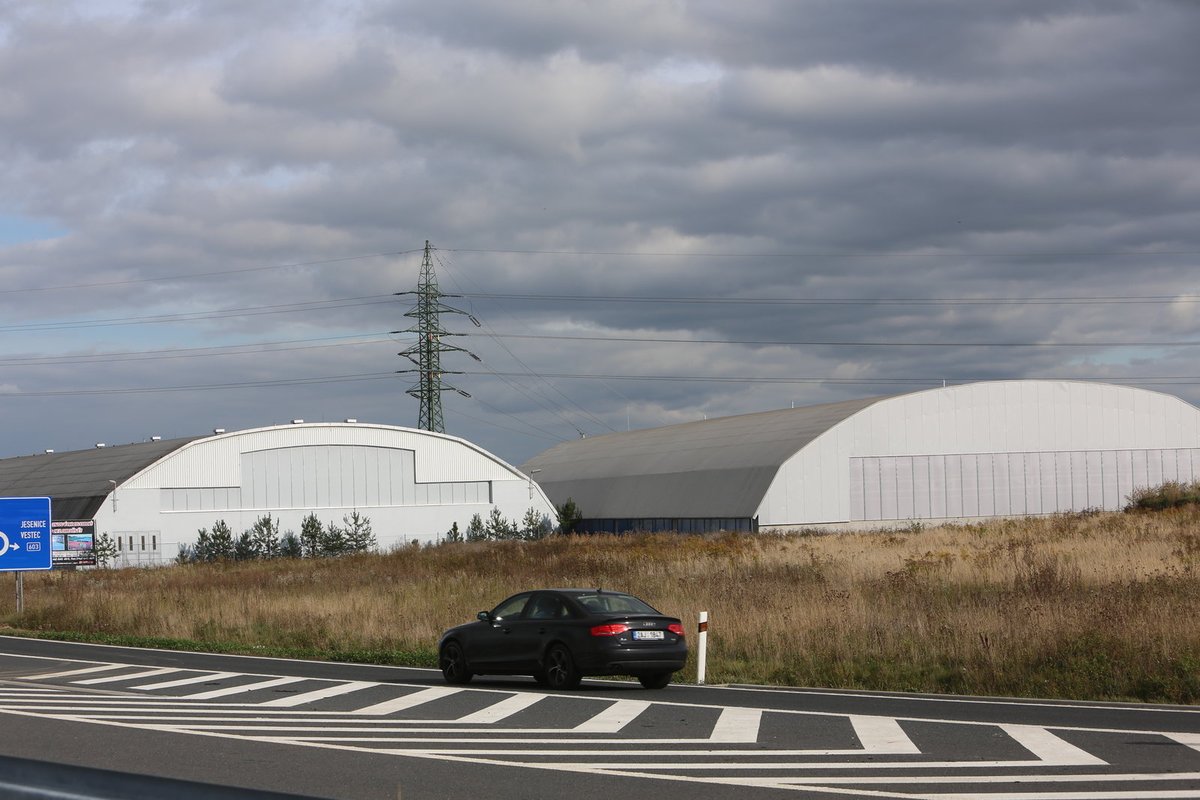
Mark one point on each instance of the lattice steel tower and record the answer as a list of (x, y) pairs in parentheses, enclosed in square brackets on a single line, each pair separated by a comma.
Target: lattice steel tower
[(426, 353)]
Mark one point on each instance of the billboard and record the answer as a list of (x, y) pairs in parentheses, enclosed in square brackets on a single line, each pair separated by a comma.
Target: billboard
[(73, 543)]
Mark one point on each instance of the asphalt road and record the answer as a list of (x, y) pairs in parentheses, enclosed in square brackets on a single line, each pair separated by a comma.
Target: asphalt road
[(358, 731)]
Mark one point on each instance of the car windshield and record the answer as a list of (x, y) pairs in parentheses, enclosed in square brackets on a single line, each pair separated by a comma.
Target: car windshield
[(605, 603)]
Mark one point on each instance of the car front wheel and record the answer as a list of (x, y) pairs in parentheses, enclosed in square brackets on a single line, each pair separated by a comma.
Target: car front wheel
[(560, 671), (454, 663), (656, 680)]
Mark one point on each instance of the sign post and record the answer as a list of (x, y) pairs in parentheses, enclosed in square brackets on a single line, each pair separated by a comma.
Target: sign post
[(24, 538)]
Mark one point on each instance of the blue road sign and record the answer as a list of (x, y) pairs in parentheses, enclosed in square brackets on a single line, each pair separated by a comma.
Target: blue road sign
[(24, 533)]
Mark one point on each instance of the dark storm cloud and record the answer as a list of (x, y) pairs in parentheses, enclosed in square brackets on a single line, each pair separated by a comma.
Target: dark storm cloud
[(839, 150)]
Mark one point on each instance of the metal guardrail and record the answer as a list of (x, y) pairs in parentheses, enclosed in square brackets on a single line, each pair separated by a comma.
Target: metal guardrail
[(24, 779)]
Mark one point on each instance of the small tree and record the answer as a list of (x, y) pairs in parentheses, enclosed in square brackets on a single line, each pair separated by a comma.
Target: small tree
[(498, 527), (359, 536), (310, 536), (454, 534), (265, 533), (221, 541), (569, 516), (475, 529), (202, 550), (105, 549), (289, 546), (244, 549), (535, 525), (333, 541)]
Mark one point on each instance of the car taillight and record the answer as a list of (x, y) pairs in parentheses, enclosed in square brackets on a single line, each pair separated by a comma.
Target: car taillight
[(610, 630), (675, 628)]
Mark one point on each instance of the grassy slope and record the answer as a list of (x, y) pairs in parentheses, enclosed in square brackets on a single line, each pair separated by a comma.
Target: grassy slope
[(1087, 606)]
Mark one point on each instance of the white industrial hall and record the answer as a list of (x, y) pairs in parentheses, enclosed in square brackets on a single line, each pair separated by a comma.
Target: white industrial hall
[(956, 453), (153, 496)]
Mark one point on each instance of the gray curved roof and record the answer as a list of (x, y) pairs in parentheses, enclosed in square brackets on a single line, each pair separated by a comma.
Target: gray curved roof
[(710, 468), (77, 482)]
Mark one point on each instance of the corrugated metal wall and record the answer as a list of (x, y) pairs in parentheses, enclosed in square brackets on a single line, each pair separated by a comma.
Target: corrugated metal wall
[(1031, 444), (1000, 484)]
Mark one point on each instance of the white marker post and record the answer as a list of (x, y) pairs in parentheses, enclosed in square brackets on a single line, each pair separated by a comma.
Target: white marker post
[(702, 647)]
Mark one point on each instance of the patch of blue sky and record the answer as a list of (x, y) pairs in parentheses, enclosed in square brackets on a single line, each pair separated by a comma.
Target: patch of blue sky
[(16, 228), (1123, 356), (686, 72)]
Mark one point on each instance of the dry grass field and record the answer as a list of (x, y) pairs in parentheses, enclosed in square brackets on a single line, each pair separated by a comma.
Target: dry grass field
[(1082, 606)]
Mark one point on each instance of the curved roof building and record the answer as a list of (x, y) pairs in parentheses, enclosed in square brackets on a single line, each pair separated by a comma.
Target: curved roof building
[(153, 496), (1002, 448)]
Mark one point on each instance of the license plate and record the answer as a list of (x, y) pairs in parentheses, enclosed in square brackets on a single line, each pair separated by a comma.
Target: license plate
[(648, 634)]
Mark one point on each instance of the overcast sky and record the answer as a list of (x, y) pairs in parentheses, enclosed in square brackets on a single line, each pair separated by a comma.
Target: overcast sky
[(207, 207)]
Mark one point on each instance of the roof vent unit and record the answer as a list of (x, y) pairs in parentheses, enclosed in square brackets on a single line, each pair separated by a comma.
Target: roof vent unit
[(218, 430), (297, 422)]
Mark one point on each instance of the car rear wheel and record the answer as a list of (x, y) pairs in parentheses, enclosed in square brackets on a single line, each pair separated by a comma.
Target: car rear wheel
[(454, 663), (655, 680), (560, 671)]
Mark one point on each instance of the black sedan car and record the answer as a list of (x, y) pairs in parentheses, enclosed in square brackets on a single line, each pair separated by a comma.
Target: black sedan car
[(560, 635)]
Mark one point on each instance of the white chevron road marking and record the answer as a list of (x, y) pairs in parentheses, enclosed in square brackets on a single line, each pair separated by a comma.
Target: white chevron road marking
[(613, 718), (208, 676), (79, 671), (126, 676), (737, 725), (502, 710), (244, 688), (882, 735), (319, 694), (408, 701)]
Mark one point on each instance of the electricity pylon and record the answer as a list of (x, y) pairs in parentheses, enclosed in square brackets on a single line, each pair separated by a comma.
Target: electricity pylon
[(426, 353)]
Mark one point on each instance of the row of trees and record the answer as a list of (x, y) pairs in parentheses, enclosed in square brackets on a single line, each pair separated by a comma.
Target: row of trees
[(263, 540), (533, 526)]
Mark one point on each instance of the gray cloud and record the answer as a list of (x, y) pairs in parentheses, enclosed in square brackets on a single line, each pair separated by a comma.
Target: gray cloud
[(821, 150)]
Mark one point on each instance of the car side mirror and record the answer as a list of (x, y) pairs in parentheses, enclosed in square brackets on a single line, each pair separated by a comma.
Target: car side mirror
[(484, 616)]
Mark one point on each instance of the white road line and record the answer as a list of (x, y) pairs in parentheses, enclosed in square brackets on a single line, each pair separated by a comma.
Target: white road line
[(1049, 748), (128, 676), (208, 676), (1141, 794), (502, 710), (319, 694), (242, 689), (1097, 777), (613, 718), (408, 701), (737, 725), (882, 735), (82, 671)]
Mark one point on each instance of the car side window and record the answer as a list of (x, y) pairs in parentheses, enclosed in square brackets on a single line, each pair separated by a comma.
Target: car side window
[(512, 607), (546, 606)]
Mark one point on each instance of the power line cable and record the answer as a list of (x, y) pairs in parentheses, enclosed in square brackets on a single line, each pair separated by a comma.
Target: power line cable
[(531, 373), (211, 274), (194, 352), (820, 343), (846, 301), (228, 313), (832, 254)]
